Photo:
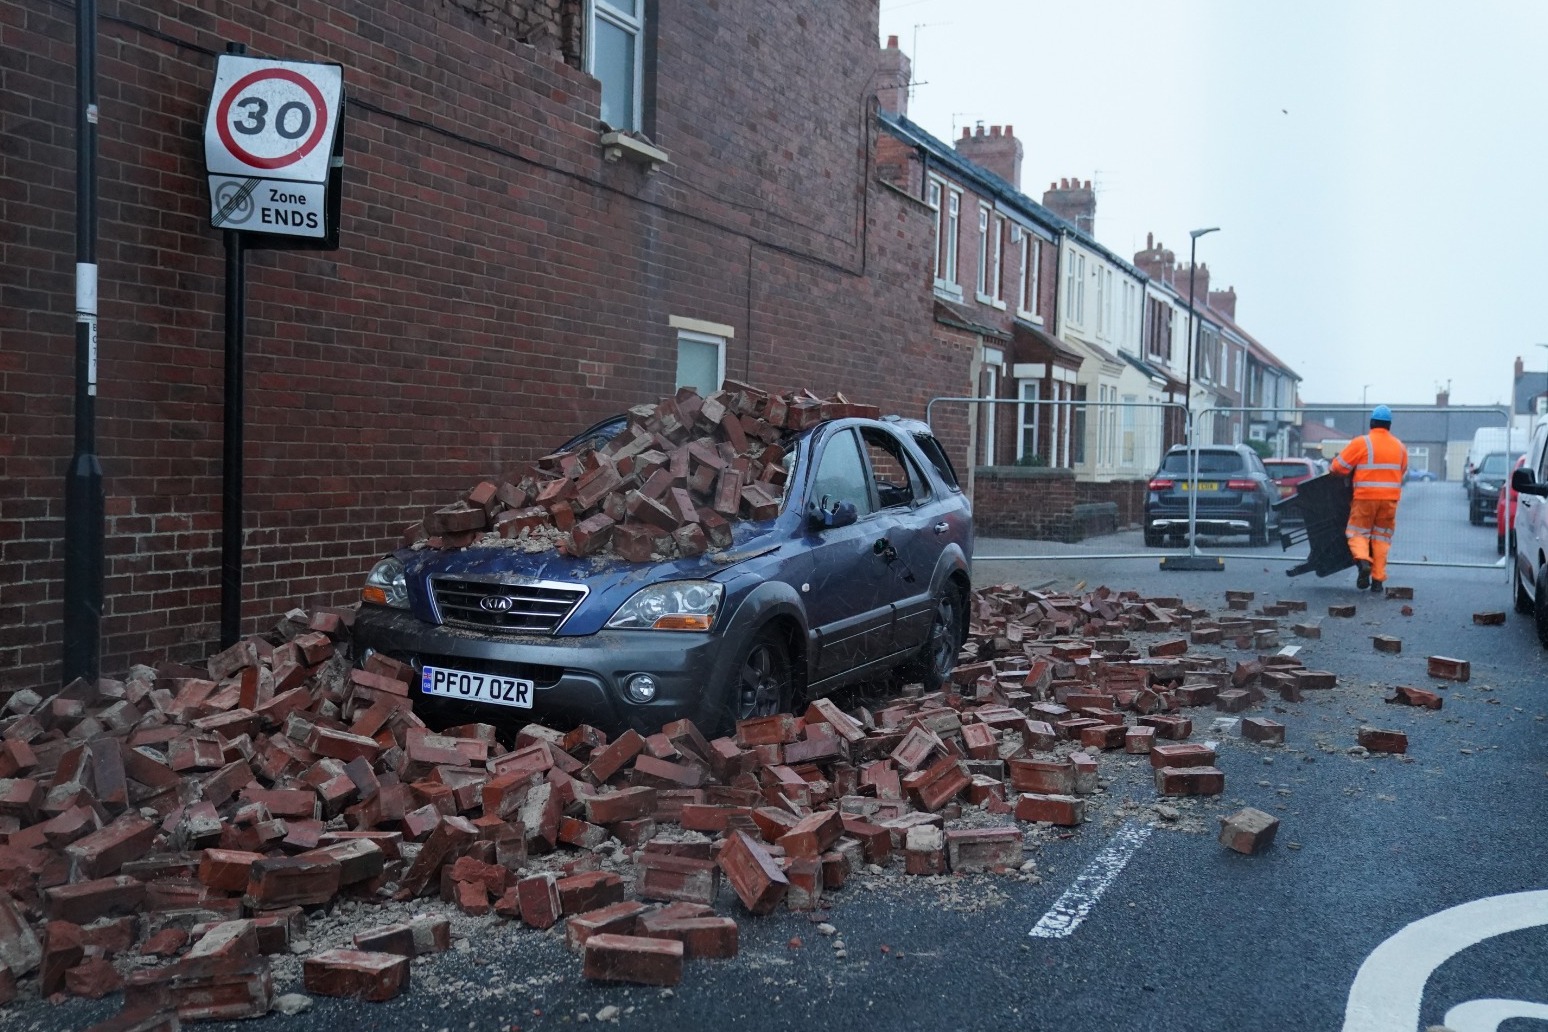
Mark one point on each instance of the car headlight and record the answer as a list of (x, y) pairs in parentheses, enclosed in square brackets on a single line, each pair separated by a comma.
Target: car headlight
[(385, 585), (671, 606)]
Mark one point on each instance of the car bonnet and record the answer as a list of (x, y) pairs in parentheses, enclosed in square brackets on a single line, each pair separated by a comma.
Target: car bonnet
[(610, 579)]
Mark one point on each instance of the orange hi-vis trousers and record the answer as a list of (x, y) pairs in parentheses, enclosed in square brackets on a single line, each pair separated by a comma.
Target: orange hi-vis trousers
[(1371, 522)]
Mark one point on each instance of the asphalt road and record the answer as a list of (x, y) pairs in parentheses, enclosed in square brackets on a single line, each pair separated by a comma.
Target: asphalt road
[(1186, 934)]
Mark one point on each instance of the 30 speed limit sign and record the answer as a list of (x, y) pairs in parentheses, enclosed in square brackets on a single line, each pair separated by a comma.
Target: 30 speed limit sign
[(273, 119)]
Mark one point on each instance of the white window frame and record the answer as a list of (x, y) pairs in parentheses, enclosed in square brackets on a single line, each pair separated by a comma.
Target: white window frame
[(1075, 289), (996, 267), (695, 337), (984, 251), (634, 25), (994, 359), (1031, 391), (933, 191), (952, 241), (1104, 319), (1031, 275)]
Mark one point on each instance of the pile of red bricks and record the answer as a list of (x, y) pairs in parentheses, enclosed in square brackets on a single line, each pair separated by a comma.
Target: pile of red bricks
[(667, 486), (198, 815)]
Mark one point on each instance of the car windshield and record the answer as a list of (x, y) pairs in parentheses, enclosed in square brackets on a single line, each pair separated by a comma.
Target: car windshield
[(1209, 462), (1494, 464), (1279, 470)]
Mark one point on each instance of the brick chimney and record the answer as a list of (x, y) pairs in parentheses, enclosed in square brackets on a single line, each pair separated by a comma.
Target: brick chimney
[(1157, 262), (1073, 201), (1520, 367), (1224, 302), (893, 70), (998, 152), (1200, 283), (1442, 399)]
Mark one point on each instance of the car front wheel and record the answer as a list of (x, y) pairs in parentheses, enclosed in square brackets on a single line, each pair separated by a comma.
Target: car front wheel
[(761, 682), (938, 655)]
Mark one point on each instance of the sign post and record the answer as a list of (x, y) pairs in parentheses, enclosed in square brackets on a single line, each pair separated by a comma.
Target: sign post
[(273, 151)]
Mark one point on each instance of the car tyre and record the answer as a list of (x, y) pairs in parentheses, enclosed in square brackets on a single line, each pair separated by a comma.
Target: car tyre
[(1499, 543), (1472, 515), (1540, 606), (1153, 537), (1522, 599), (761, 681), (1258, 536), (937, 657)]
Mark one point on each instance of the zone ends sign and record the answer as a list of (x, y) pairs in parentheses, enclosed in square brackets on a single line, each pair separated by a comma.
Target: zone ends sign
[(270, 142), (274, 119)]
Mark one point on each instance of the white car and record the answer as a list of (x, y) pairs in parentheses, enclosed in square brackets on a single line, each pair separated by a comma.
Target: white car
[(1529, 580)]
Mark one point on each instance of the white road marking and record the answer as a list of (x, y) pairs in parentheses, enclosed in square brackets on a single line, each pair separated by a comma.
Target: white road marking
[(1489, 1015), (1389, 986), (1070, 909)]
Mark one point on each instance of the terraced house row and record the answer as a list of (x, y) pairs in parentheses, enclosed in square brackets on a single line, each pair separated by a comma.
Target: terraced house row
[(551, 210)]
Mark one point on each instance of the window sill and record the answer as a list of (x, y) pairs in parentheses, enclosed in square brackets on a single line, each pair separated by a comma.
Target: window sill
[(1035, 320), (619, 145), (949, 291)]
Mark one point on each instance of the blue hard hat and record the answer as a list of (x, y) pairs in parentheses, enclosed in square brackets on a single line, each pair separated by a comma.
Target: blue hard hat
[(1381, 414)]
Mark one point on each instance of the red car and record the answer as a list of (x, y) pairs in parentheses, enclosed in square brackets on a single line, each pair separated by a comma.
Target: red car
[(1505, 514), (1288, 473)]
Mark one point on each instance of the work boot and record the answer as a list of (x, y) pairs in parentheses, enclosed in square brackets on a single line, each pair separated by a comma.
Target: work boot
[(1377, 585), (1364, 580)]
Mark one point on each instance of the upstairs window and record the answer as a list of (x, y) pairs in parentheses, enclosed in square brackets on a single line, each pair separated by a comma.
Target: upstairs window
[(1031, 273), (615, 56), (948, 218), (991, 252)]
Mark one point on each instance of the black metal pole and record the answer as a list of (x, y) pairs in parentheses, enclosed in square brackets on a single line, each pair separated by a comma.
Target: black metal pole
[(231, 461), (83, 481), (1193, 250)]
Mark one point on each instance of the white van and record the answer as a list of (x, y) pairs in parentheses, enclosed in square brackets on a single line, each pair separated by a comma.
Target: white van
[(1529, 580)]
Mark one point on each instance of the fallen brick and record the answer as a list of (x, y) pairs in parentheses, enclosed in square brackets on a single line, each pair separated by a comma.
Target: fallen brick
[(1248, 830), (1263, 731), (635, 959), (1447, 669), (1063, 810), (1186, 781), (356, 974), (1417, 697), (1382, 740)]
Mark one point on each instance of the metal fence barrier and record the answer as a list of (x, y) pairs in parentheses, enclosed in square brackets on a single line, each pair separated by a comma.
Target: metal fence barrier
[(1111, 449)]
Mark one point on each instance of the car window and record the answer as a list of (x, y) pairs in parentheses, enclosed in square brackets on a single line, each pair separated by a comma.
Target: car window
[(841, 475), (938, 458), (1494, 464), (1209, 462), (898, 479), (1279, 470)]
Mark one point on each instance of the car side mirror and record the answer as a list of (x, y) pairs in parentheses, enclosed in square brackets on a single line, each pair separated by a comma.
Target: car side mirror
[(841, 515), (1522, 481)]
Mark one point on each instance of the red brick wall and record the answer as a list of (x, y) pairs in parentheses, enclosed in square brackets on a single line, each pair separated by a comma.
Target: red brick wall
[(498, 282), (1040, 504)]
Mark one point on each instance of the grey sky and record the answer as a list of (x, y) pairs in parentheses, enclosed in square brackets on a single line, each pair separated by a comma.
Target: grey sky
[(1377, 167)]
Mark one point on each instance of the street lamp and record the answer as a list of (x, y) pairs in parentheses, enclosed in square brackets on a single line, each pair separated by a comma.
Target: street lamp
[(1193, 248), (1363, 392)]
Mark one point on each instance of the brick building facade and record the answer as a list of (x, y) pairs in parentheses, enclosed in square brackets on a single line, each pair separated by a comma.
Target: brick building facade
[(499, 282)]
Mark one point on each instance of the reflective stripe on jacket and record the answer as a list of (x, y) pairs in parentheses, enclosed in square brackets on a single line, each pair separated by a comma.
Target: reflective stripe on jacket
[(1377, 461)]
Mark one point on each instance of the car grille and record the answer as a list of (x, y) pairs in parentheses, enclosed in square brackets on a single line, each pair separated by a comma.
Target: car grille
[(536, 608)]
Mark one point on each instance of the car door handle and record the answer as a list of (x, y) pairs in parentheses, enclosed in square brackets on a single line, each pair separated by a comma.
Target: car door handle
[(942, 527)]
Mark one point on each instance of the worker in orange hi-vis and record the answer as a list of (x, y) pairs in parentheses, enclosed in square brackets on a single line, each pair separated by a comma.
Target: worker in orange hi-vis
[(1376, 462)]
